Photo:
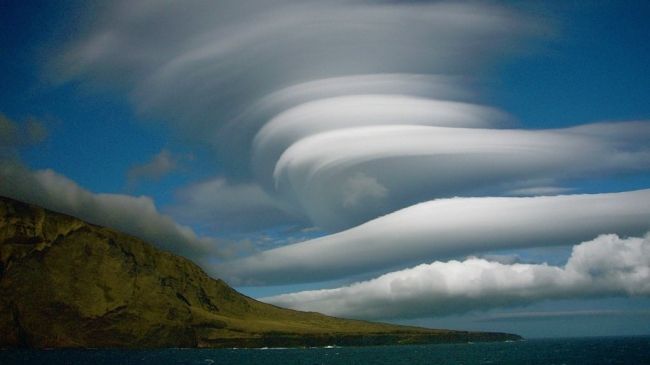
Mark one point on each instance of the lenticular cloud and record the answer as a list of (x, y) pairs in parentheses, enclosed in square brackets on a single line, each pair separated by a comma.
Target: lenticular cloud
[(447, 228), (606, 266), (359, 118), (418, 163)]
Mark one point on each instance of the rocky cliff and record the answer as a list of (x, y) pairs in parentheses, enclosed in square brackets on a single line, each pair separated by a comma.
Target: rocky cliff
[(68, 283)]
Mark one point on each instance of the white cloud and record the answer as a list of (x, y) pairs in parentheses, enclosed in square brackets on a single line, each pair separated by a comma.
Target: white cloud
[(339, 111), (286, 109), (231, 77), (346, 112), (137, 216), (419, 163), (445, 228), (202, 66), (606, 266)]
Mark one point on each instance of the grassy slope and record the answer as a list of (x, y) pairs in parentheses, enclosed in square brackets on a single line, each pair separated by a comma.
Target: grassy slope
[(68, 283)]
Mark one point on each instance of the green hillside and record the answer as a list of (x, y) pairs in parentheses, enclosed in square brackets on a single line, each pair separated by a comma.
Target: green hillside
[(68, 283)]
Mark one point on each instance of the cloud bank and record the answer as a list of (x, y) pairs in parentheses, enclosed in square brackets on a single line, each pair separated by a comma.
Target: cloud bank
[(446, 228), (606, 266), (137, 216)]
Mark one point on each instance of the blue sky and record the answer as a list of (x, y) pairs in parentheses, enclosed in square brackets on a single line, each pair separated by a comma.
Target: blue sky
[(257, 126)]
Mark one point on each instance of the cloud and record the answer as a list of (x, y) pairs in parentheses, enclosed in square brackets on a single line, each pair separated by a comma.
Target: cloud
[(446, 228), (338, 112), (344, 113), (361, 189), (219, 206), (421, 162), (137, 216), (207, 76), (301, 97), (163, 163), (606, 266), (285, 109)]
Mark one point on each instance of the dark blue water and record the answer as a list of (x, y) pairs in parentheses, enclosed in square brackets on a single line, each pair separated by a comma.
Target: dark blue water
[(584, 351)]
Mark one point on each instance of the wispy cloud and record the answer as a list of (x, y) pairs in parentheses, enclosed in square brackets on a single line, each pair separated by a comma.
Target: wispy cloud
[(184, 72), (446, 228), (219, 205), (160, 165), (606, 266)]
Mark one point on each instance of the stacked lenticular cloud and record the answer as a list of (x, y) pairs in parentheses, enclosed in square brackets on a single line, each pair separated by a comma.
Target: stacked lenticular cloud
[(358, 117)]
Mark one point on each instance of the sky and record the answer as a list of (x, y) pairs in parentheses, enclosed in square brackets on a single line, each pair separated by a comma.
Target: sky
[(454, 164)]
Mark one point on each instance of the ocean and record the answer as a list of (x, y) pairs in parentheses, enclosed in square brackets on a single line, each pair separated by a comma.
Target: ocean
[(582, 351)]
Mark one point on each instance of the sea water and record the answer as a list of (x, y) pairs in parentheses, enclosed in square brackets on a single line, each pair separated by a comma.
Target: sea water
[(582, 351)]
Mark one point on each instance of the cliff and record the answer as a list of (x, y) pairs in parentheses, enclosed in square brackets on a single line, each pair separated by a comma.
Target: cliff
[(68, 283)]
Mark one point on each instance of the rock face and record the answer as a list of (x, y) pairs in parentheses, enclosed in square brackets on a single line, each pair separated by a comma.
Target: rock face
[(68, 283)]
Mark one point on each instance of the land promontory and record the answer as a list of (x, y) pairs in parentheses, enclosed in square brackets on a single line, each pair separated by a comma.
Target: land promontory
[(68, 283)]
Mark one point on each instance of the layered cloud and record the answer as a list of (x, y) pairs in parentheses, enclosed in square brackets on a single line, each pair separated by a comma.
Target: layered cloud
[(606, 266), (446, 228), (346, 114), (354, 111), (302, 98), (219, 71), (418, 163)]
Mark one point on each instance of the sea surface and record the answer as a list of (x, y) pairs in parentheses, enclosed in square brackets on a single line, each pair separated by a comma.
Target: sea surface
[(582, 351)]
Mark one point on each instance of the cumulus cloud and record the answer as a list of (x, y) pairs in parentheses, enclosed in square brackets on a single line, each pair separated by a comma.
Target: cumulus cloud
[(606, 266), (219, 205), (444, 228), (137, 216)]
